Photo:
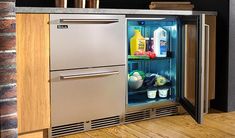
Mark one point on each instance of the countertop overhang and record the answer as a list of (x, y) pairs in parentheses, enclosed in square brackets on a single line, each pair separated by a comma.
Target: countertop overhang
[(38, 10)]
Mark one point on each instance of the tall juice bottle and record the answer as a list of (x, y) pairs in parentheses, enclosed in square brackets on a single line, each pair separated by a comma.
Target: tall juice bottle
[(137, 43), (160, 42)]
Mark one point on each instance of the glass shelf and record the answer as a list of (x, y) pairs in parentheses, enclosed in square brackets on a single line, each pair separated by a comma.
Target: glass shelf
[(131, 58), (144, 89), (142, 99)]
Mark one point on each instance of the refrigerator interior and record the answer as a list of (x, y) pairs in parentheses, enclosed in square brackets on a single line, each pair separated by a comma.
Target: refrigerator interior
[(160, 67)]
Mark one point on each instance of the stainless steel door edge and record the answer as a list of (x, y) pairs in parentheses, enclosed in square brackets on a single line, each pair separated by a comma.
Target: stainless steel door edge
[(202, 69), (207, 67)]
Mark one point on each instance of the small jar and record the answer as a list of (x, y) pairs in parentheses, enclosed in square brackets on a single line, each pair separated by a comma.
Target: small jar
[(79, 3), (61, 3), (93, 3), (151, 94), (149, 44), (163, 93)]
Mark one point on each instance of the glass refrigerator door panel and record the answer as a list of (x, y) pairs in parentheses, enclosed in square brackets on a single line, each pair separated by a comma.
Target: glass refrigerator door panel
[(190, 61), (152, 80), (192, 65)]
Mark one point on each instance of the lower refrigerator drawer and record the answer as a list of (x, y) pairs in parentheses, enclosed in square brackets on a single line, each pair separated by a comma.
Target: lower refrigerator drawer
[(87, 94)]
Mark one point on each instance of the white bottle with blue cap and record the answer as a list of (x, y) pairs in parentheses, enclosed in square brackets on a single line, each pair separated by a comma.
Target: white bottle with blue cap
[(160, 42)]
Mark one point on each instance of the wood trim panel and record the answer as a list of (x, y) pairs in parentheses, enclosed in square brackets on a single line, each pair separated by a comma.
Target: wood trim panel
[(211, 21), (190, 62), (33, 94), (37, 134)]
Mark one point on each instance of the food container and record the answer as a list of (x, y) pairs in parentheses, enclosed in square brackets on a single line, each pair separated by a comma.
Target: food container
[(61, 3), (93, 3), (151, 94), (163, 93), (80, 3), (149, 44), (135, 84)]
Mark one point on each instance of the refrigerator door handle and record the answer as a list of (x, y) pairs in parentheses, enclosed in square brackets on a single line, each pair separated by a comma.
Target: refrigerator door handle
[(89, 21), (207, 61), (86, 75), (202, 65)]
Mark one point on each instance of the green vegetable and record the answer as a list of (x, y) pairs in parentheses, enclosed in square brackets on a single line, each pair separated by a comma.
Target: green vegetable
[(141, 73)]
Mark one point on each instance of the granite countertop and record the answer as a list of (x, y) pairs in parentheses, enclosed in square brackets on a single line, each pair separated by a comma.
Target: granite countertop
[(109, 11)]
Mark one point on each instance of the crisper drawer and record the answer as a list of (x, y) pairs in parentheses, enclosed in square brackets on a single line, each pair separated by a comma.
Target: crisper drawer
[(86, 94), (80, 41)]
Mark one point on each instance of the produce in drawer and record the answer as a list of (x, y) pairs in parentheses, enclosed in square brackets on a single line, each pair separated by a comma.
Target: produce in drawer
[(149, 54), (153, 79), (161, 80), (136, 79), (138, 73), (149, 80)]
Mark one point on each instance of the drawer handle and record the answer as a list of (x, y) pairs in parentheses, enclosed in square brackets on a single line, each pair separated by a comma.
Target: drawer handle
[(98, 74), (89, 21)]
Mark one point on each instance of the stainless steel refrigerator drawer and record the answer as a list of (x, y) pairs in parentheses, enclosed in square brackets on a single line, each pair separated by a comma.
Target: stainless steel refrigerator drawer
[(86, 94), (80, 41)]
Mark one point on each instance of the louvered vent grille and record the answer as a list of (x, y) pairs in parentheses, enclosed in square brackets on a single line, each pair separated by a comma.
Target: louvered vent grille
[(137, 116), (105, 122), (166, 111), (67, 129)]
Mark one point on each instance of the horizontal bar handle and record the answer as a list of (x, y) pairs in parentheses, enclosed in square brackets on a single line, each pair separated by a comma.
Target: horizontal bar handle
[(86, 75), (89, 21)]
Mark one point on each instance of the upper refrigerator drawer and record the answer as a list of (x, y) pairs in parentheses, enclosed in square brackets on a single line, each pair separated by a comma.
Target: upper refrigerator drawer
[(81, 41)]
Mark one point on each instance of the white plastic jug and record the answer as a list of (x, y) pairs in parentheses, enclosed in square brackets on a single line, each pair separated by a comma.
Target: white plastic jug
[(160, 42)]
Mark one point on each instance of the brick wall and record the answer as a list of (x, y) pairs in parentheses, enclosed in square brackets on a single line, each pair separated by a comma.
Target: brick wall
[(8, 114)]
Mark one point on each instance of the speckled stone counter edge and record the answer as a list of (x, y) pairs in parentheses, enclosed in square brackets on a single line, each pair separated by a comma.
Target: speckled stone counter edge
[(109, 11)]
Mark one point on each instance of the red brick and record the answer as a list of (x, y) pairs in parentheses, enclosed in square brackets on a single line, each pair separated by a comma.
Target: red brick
[(7, 68), (7, 76), (8, 122), (7, 42), (7, 25), (7, 91), (7, 60), (7, 107), (4, 56), (7, 63), (7, 7), (8, 0), (9, 133)]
